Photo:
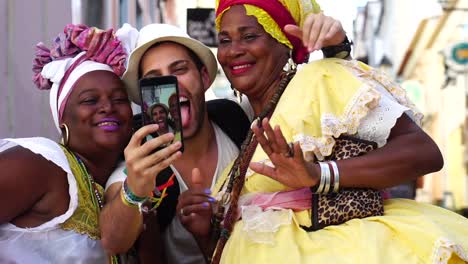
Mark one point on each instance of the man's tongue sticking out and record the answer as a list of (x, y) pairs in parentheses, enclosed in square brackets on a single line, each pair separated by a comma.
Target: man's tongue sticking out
[(185, 113), (184, 104)]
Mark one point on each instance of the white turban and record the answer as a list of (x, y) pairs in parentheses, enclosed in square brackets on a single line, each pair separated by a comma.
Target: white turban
[(56, 70)]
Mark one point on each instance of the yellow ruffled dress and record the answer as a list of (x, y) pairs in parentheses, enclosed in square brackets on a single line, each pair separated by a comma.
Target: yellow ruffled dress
[(328, 98)]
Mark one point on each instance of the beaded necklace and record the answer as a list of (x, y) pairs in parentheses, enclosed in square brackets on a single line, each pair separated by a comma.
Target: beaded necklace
[(114, 259), (91, 181)]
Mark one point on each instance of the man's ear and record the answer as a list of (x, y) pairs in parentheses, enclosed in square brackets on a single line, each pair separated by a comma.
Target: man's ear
[(205, 77)]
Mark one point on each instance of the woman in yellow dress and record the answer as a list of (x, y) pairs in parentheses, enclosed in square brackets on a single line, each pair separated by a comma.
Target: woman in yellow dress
[(323, 101)]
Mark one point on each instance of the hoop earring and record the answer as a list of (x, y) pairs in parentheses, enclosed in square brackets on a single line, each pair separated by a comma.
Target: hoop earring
[(66, 137), (290, 64)]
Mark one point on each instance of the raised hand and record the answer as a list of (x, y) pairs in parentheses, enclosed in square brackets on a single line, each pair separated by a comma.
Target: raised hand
[(195, 207), (318, 31), (290, 168), (142, 164)]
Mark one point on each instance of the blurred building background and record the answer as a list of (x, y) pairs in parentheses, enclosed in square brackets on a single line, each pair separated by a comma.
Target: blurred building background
[(423, 44)]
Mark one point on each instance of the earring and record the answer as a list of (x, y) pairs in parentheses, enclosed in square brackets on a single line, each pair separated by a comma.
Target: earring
[(290, 65), (66, 137), (237, 94)]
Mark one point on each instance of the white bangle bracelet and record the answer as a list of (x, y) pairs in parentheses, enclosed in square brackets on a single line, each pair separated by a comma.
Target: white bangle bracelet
[(326, 188), (324, 171), (336, 174)]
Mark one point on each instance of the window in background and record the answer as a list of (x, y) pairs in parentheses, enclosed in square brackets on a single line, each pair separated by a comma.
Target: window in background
[(114, 13), (89, 12)]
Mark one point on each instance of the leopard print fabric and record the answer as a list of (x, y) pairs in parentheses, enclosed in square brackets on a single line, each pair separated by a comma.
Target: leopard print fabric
[(347, 147), (350, 203), (335, 209)]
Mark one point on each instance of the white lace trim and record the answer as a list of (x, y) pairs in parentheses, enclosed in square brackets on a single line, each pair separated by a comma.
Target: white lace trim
[(443, 250), (261, 226), (366, 98), (51, 151), (378, 78), (377, 125)]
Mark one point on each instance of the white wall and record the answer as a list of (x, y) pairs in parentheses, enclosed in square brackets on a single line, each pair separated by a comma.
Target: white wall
[(24, 110)]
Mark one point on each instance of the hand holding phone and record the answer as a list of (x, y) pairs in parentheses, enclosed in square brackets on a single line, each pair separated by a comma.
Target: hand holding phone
[(160, 105)]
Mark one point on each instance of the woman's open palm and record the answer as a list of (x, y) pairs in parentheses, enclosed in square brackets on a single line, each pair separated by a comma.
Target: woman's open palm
[(290, 167)]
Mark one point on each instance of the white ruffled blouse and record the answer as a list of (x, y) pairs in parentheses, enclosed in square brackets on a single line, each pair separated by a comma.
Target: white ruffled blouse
[(48, 243)]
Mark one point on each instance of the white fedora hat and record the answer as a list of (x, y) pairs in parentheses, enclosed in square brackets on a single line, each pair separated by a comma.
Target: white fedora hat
[(154, 33)]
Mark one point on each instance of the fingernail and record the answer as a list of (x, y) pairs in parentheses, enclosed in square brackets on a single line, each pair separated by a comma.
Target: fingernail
[(207, 191), (205, 204), (254, 123), (211, 199)]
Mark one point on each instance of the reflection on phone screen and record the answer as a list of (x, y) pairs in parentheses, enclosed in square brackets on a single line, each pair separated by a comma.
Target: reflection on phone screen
[(160, 105)]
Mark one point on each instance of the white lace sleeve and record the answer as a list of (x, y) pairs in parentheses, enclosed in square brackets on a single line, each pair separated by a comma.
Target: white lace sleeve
[(376, 126)]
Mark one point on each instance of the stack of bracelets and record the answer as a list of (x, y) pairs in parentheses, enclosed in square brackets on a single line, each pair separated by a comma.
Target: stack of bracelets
[(145, 204), (329, 182), (129, 198)]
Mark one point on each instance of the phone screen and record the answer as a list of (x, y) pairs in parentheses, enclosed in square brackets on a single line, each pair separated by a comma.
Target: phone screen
[(160, 105)]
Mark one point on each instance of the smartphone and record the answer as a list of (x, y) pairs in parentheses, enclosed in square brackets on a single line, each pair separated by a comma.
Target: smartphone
[(160, 105)]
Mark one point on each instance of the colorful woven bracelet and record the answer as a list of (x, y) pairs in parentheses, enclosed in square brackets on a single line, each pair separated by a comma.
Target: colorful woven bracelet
[(132, 196), (125, 200)]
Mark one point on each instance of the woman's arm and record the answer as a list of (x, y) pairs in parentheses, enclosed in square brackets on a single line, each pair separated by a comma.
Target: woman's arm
[(25, 180), (118, 216), (409, 153), (143, 165)]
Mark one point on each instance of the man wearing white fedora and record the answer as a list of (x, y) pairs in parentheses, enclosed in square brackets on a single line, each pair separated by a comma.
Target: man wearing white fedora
[(213, 132), (208, 139)]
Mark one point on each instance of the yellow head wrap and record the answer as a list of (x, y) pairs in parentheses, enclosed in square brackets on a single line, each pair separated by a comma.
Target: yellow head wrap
[(299, 9)]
